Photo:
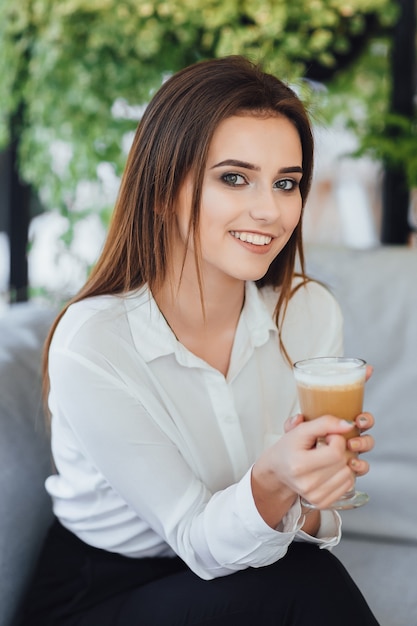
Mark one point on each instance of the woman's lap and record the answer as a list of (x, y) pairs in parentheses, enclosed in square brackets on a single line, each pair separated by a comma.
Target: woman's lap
[(308, 586)]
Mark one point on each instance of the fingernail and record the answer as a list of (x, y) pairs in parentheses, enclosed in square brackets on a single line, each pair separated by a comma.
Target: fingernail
[(354, 444), (354, 464), (363, 421)]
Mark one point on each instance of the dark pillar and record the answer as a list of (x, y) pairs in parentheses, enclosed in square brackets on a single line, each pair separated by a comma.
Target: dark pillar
[(396, 197), (19, 215)]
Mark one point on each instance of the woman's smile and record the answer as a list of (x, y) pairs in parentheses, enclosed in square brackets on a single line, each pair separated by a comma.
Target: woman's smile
[(254, 238), (254, 242)]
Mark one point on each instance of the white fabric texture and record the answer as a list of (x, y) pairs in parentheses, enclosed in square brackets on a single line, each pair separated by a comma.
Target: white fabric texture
[(154, 448)]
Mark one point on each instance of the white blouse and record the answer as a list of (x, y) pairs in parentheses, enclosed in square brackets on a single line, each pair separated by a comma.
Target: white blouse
[(154, 448)]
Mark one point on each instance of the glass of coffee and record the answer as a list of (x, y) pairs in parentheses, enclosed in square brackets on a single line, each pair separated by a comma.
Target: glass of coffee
[(333, 386)]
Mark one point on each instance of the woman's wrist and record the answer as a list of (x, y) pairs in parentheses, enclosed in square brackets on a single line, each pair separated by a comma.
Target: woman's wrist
[(312, 519), (272, 498)]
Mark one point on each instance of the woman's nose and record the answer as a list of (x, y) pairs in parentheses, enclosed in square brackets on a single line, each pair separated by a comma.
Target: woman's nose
[(265, 206)]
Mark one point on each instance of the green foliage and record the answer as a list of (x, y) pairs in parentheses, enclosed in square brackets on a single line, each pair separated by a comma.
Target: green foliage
[(362, 90), (361, 96), (392, 139), (64, 65)]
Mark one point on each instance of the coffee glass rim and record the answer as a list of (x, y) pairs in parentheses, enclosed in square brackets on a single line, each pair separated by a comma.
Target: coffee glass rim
[(357, 362)]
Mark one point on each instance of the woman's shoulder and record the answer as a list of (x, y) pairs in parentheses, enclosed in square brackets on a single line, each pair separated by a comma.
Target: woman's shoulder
[(91, 320), (305, 293), (313, 322), (314, 294)]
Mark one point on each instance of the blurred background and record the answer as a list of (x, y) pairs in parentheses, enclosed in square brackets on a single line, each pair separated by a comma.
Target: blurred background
[(76, 75)]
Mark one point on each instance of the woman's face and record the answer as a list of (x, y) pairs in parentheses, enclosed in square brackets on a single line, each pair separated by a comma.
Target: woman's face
[(251, 201)]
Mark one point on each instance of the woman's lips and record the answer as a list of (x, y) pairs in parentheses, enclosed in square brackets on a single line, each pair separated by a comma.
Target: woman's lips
[(254, 242)]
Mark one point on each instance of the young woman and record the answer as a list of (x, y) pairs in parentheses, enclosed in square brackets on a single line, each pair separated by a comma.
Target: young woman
[(180, 456)]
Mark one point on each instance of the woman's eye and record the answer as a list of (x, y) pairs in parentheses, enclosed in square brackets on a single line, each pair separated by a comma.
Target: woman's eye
[(234, 179), (286, 184)]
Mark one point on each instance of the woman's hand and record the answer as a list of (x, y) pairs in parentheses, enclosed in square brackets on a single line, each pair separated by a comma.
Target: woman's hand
[(317, 466), (358, 445), (296, 465)]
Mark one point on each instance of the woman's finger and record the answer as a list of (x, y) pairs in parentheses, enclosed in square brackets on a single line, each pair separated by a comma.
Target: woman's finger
[(292, 422), (365, 443), (364, 421), (359, 466)]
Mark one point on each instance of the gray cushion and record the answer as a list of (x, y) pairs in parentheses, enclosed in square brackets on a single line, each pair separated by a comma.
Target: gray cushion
[(377, 290), (24, 450), (386, 574)]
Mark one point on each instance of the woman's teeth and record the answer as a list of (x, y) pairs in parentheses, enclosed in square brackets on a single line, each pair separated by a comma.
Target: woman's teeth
[(255, 238)]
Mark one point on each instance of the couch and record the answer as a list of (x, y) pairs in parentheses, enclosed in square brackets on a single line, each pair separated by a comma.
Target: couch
[(377, 290), (25, 510)]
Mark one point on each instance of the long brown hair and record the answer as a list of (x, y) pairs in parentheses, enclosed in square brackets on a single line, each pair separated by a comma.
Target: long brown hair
[(172, 139)]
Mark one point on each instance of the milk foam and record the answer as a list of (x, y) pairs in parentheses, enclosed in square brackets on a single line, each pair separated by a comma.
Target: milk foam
[(325, 374)]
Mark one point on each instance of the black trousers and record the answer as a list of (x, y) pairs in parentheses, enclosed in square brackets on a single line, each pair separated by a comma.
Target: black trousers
[(77, 585)]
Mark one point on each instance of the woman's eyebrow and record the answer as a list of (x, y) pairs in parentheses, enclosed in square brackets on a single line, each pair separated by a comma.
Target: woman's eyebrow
[(250, 166), (237, 163), (291, 170)]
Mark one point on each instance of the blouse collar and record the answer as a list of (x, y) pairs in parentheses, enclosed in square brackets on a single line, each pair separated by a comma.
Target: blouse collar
[(153, 337)]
